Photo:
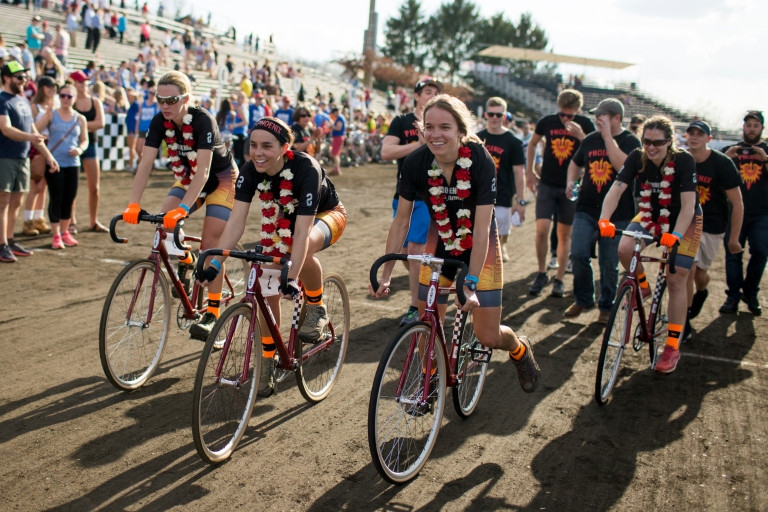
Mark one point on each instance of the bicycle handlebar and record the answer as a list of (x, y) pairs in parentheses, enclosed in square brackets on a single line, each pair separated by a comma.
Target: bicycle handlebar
[(251, 256), (143, 216), (463, 270), (176, 240), (671, 256)]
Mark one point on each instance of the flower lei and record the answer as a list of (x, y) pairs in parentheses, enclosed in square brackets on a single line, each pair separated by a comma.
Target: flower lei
[(276, 236), (665, 199), (462, 240), (178, 168)]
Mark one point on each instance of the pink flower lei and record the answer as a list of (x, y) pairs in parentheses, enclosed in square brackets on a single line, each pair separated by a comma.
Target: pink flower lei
[(276, 236), (462, 240), (665, 199), (183, 173)]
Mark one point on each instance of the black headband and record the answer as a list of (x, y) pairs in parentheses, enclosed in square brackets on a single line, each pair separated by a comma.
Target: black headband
[(276, 129)]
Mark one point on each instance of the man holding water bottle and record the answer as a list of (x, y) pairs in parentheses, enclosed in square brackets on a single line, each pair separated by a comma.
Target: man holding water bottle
[(590, 174)]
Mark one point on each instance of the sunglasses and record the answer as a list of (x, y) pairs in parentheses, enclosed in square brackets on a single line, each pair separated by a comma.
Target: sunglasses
[(658, 142), (563, 115), (170, 100), (305, 115), (66, 96), (21, 78), (494, 114), (634, 128), (151, 93)]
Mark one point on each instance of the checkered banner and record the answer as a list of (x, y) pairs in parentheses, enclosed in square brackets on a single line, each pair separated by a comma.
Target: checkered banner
[(113, 150)]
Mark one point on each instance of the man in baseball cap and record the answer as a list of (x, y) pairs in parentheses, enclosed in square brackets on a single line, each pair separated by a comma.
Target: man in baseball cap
[(609, 107), (428, 80)]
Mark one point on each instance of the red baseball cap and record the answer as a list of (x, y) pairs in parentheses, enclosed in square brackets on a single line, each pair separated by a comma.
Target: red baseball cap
[(79, 76)]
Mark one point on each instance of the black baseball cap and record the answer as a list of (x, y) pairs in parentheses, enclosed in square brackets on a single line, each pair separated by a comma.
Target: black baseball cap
[(755, 114), (428, 80), (701, 125), (46, 81), (12, 68)]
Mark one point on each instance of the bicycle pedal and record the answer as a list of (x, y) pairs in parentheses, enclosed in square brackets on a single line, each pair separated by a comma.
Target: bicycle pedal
[(479, 353)]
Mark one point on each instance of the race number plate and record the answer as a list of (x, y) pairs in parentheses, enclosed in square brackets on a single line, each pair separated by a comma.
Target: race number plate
[(270, 282)]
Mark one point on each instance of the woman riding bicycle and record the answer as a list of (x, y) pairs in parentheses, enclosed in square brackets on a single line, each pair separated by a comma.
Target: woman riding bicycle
[(669, 207), (301, 216), (456, 175), (205, 174)]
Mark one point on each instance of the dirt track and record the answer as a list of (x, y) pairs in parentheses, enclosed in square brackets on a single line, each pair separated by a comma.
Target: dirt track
[(695, 440)]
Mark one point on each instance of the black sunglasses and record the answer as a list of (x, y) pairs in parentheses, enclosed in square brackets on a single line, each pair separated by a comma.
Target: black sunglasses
[(563, 115), (304, 115), (495, 114), (21, 78), (170, 100), (65, 96), (658, 142)]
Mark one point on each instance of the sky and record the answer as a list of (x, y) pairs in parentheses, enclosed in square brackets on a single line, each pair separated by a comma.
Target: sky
[(702, 56)]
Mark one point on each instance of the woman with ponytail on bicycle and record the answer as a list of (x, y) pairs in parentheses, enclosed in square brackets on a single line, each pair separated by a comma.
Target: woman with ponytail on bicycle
[(205, 174), (456, 176), (301, 216), (669, 208)]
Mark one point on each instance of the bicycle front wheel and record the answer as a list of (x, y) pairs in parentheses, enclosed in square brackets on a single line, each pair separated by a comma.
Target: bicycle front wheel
[(320, 364), (223, 404), (614, 342), (471, 373), (130, 347), (237, 274), (401, 429)]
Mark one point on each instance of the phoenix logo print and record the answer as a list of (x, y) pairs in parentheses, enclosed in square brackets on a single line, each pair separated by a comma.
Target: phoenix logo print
[(704, 194), (600, 172), (497, 161), (562, 148), (750, 173)]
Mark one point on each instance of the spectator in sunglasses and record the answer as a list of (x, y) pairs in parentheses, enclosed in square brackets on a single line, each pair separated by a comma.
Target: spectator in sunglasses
[(302, 131)]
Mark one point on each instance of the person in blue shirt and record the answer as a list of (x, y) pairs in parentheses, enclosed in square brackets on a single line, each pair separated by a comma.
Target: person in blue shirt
[(322, 120), (131, 120), (148, 109), (35, 36), (256, 110), (121, 26), (285, 112), (338, 133)]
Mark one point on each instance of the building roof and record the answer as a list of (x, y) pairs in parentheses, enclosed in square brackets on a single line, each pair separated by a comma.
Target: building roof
[(509, 52)]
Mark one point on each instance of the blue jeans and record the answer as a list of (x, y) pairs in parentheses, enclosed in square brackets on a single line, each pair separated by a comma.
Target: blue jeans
[(755, 230), (584, 227)]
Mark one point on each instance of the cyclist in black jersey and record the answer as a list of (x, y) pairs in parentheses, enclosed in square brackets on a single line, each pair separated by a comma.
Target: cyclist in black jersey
[(301, 216), (205, 173), (456, 176)]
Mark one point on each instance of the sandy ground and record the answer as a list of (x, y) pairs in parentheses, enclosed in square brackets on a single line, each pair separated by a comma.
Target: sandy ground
[(694, 440)]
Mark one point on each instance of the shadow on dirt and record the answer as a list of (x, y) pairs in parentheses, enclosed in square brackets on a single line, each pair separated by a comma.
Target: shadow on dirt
[(646, 413)]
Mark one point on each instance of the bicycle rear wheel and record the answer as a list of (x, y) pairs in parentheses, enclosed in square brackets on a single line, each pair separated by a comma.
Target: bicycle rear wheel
[(222, 406), (319, 368), (129, 347), (660, 326), (401, 431), (614, 342), (466, 393)]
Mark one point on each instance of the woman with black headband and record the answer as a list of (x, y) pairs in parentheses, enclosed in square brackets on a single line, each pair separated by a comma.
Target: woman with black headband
[(300, 216), (205, 174)]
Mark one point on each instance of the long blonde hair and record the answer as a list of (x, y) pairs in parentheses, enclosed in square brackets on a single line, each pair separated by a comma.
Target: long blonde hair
[(454, 106), (663, 124)]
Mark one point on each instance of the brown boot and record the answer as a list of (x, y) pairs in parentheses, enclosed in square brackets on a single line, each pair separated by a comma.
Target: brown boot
[(603, 318), (29, 228), (42, 226), (574, 311)]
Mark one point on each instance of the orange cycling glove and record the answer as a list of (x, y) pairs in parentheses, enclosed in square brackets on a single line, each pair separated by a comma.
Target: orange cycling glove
[(173, 217), (131, 214), (669, 239), (607, 229)]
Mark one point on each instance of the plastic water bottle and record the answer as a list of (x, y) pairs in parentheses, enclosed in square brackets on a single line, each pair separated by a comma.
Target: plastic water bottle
[(575, 191)]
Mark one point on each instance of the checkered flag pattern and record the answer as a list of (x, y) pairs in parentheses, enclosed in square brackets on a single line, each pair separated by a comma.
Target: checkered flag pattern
[(457, 326), (297, 310), (113, 150)]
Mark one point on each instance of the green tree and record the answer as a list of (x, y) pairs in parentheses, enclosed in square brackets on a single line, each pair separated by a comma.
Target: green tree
[(405, 36), (497, 30), (451, 33)]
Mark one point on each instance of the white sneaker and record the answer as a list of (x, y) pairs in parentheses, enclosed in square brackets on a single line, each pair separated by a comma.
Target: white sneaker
[(553, 264)]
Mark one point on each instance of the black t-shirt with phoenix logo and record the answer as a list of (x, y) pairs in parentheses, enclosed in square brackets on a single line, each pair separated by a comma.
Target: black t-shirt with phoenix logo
[(560, 147), (599, 174), (404, 127), (714, 176), (754, 190), (506, 151)]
